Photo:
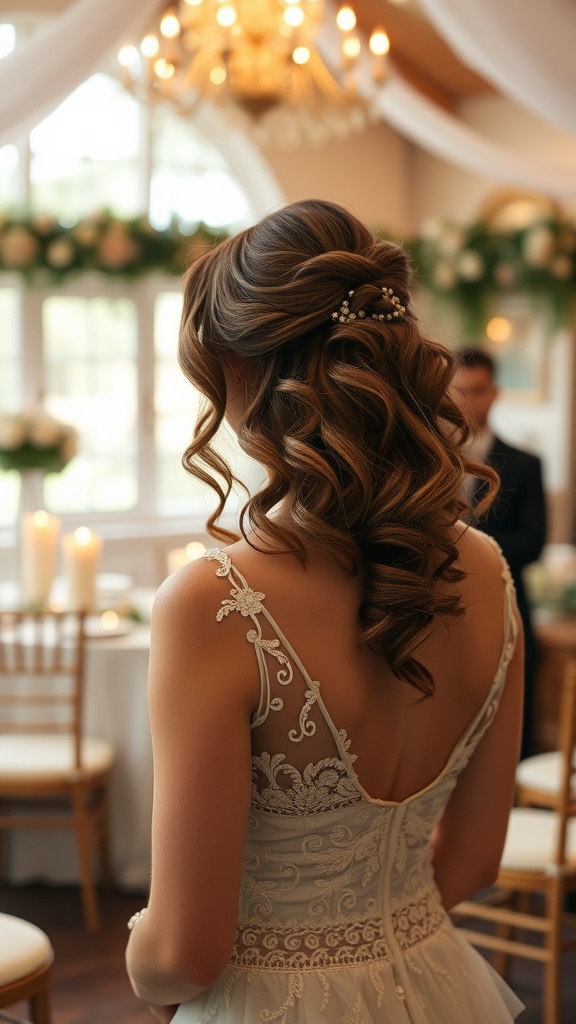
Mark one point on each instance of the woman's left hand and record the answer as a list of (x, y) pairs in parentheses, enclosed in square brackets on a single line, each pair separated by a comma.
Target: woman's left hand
[(163, 1013)]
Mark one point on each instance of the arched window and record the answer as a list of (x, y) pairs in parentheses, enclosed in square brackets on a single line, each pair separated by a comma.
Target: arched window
[(100, 351)]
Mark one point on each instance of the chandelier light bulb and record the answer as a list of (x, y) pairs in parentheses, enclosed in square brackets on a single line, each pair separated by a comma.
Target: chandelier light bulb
[(293, 16), (218, 75), (379, 42), (196, 39), (149, 46), (226, 16), (301, 55), (170, 26), (127, 55), (351, 47), (164, 69), (346, 19)]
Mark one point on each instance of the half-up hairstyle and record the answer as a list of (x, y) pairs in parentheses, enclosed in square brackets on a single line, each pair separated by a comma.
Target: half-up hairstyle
[(351, 416)]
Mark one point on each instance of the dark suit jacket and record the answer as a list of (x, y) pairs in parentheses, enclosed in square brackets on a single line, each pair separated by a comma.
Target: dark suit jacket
[(517, 519)]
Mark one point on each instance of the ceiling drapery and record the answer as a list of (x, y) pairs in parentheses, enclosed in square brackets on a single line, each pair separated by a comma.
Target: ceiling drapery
[(43, 71), (443, 135), (524, 47), (448, 137)]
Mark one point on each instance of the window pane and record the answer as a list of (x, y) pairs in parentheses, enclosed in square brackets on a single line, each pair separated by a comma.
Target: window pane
[(84, 154), (9, 394), (90, 354), (176, 409), (9, 351), (191, 180), (8, 175)]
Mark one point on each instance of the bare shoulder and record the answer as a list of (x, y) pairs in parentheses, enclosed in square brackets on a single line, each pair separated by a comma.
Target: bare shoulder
[(192, 595), (478, 554), (192, 649)]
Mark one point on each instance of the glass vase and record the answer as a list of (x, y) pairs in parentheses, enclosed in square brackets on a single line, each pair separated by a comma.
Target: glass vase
[(31, 491)]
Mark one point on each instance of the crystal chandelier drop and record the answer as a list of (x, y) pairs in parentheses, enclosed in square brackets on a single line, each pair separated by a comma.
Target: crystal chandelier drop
[(257, 58)]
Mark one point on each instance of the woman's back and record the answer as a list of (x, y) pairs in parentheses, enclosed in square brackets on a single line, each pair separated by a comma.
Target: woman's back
[(400, 741), (339, 909)]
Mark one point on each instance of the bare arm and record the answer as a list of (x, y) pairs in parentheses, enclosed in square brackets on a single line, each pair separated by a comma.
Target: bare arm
[(469, 839), (201, 693)]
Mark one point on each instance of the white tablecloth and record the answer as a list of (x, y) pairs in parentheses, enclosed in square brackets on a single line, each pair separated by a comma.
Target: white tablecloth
[(116, 709)]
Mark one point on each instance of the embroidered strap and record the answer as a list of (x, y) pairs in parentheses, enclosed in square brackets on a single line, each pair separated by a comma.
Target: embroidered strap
[(248, 603)]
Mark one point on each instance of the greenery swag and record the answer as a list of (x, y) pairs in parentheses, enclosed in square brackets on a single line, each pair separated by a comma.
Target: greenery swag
[(469, 267)]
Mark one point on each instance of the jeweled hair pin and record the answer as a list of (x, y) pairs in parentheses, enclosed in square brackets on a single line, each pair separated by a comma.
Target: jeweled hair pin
[(345, 315)]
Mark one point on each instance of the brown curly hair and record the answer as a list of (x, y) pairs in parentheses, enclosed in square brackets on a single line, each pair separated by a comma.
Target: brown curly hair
[(353, 421)]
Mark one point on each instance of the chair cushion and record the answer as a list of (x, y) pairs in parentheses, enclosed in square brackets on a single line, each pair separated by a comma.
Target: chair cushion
[(531, 840), (24, 948), (543, 772), (24, 757)]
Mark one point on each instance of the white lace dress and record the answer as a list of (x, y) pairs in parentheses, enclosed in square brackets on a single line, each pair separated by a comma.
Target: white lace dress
[(340, 920)]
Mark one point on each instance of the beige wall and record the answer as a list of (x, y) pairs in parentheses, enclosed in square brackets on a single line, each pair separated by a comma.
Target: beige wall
[(369, 173), (442, 189)]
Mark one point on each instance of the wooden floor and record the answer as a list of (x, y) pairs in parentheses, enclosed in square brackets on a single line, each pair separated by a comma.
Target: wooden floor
[(89, 983)]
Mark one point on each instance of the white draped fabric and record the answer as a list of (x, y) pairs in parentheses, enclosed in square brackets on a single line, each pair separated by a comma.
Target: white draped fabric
[(438, 132), (447, 136), (43, 71), (524, 47)]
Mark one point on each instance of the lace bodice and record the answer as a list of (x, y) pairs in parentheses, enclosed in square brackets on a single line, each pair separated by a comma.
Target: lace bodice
[(332, 877)]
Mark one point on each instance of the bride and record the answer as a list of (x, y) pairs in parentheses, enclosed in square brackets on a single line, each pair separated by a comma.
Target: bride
[(335, 695)]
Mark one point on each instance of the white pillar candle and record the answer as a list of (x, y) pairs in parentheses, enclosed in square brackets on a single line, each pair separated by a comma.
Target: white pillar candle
[(181, 556), (39, 534), (81, 553)]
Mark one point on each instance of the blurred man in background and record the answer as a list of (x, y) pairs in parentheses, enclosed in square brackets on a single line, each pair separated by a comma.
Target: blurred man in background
[(517, 519)]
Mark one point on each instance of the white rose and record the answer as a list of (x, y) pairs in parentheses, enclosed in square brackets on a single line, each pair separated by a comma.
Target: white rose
[(470, 265), (116, 249), (44, 432), (431, 228), (86, 234), (18, 248), (451, 241), (60, 253), (12, 433), (538, 246), (444, 276)]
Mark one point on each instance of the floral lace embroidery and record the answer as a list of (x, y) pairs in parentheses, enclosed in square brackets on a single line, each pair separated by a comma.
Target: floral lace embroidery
[(305, 945), (345, 942), (248, 603), (323, 786)]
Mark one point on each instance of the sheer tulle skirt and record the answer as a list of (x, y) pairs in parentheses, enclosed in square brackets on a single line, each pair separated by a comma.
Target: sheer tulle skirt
[(443, 980)]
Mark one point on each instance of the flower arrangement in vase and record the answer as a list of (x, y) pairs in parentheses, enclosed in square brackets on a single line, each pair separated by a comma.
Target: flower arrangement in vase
[(34, 440)]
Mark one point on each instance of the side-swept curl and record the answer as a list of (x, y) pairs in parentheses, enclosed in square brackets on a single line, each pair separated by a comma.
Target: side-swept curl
[(353, 421)]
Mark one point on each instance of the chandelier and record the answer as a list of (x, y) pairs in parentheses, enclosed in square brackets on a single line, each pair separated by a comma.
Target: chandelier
[(257, 58)]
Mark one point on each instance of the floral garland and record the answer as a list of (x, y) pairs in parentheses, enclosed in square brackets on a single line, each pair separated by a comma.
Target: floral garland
[(40, 248), (470, 267), (34, 440)]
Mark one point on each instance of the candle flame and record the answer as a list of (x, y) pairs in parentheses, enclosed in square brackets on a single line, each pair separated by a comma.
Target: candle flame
[(194, 549), (40, 518), (109, 619), (83, 535)]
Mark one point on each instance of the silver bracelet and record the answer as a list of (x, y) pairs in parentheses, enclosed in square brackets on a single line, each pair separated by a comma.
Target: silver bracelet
[(136, 917)]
